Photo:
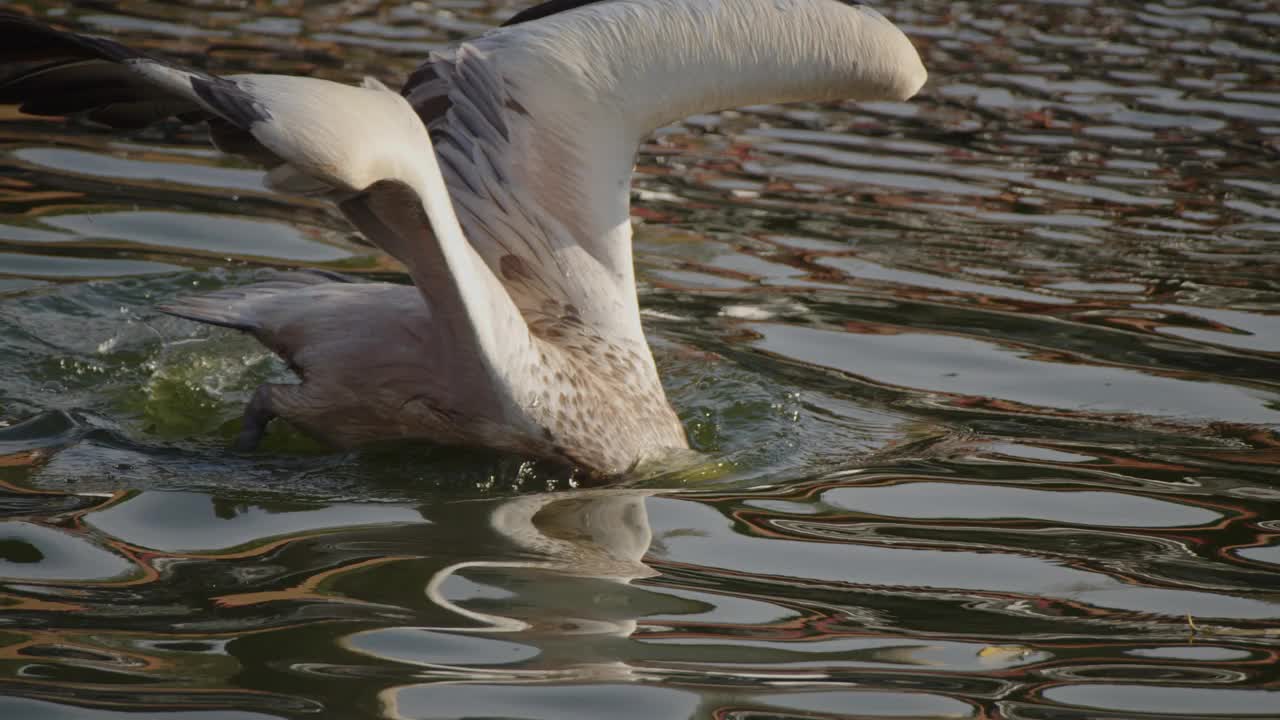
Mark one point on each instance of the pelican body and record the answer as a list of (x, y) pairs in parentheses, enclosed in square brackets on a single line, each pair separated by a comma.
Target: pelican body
[(499, 175)]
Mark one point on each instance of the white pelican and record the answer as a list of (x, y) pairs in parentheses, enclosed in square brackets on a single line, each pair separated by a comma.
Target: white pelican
[(500, 177)]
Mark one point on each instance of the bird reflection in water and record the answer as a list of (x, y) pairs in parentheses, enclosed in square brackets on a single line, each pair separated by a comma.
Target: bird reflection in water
[(560, 580)]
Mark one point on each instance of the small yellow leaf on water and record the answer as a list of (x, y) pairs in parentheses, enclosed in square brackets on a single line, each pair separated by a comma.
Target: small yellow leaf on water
[(1004, 652)]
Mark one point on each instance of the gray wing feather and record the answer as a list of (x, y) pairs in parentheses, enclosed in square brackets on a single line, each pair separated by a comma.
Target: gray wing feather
[(242, 308), (310, 318), (538, 227)]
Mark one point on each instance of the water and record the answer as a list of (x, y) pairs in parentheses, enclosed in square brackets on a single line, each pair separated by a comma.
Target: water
[(987, 381)]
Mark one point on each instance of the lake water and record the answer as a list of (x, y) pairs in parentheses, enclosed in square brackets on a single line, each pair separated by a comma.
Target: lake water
[(988, 382)]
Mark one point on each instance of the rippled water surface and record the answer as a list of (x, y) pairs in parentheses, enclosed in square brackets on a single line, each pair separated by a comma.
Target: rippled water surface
[(990, 382)]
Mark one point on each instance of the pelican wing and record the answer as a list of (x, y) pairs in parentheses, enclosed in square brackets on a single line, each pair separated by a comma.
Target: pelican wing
[(320, 136)]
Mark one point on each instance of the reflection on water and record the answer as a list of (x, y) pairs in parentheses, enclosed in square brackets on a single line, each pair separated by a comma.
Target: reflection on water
[(987, 382), (853, 590)]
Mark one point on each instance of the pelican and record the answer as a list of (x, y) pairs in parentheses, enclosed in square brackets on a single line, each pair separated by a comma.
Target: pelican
[(499, 176)]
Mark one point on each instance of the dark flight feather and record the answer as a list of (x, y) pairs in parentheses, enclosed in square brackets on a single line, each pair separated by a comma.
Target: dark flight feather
[(552, 7)]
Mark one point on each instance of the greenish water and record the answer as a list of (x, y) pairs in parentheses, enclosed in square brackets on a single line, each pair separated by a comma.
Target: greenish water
[(988, 382)]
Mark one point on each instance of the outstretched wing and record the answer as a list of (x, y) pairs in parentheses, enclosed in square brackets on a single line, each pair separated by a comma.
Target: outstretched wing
[(317, 135)]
